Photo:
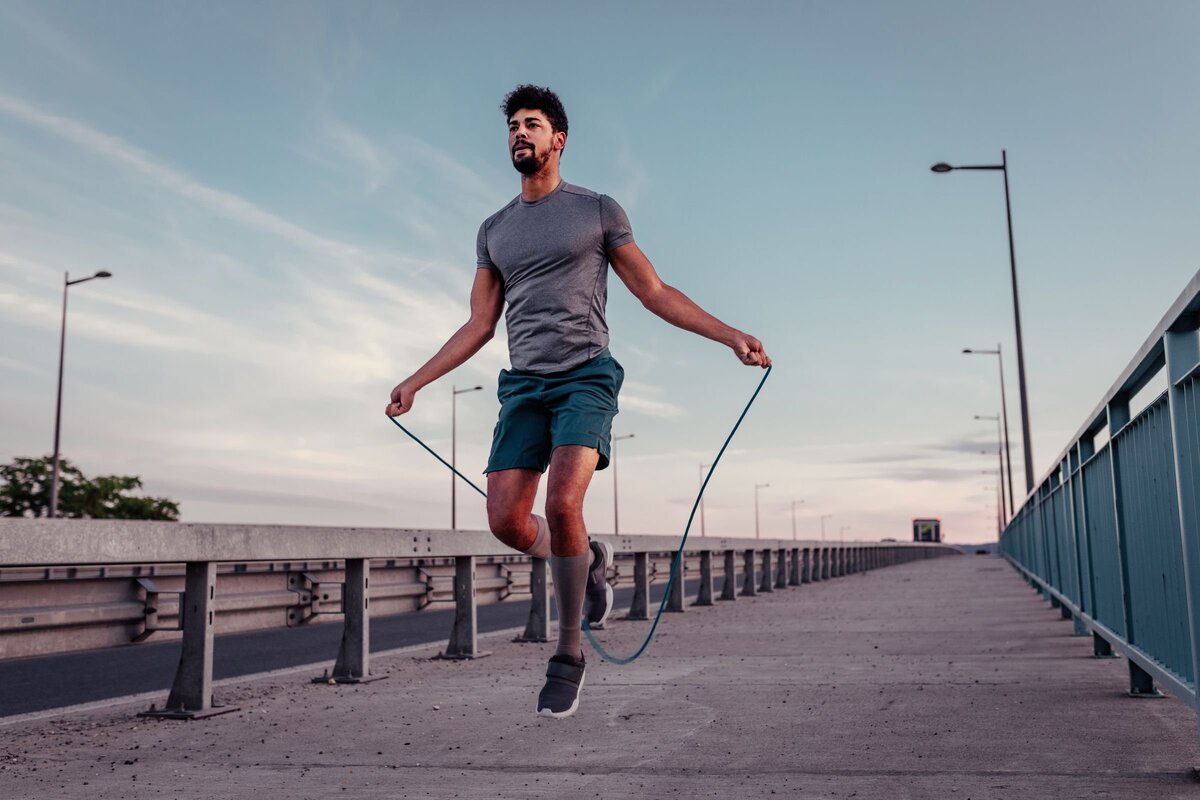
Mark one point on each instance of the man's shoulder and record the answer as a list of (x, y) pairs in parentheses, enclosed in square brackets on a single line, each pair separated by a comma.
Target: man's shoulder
[(487, 223), (579, 191)]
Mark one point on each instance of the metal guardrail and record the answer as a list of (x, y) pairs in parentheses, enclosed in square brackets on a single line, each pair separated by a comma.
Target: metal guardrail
[(273, 575), (1111, 535)]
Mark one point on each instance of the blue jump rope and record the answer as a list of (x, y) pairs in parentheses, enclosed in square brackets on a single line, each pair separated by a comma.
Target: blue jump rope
[(675, 562)]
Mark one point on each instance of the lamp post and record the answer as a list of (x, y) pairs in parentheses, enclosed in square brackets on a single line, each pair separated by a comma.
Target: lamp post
[(616, 519), (823, 518), (794, 504), (702, 468), (1000, 455), (454, 393), (1012, 260), (757, 486), (1004, 412), (62, 348)]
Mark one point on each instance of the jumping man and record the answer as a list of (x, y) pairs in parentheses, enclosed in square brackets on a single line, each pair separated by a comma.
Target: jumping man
[(546, 254)]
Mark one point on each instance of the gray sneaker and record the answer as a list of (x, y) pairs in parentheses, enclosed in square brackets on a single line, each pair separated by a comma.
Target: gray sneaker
[(560, 696), (599, 592)]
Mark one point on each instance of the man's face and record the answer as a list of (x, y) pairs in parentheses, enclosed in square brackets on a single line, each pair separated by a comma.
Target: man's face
[(531, 140)]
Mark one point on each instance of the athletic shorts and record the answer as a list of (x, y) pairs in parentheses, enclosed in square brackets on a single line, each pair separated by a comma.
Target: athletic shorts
[(541, 412)]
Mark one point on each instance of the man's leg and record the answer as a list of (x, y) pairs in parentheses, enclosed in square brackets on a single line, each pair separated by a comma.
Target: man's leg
[(510, 497), (571, 470)]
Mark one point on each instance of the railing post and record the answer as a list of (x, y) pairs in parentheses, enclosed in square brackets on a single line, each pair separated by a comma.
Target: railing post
[(191, 691), (353, 663), (1183, 355), (537, 628), (825, 556), (705, 596), (464, 636), (806, 575), (748, 589), (781, 570), (1101, 648), (1118, 418), (675, 596), (794, 576), (640, 607), (729, 588), (1141, 683), (768, 579)]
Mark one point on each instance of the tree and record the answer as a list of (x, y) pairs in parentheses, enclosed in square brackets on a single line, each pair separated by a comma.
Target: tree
[(26, 493)]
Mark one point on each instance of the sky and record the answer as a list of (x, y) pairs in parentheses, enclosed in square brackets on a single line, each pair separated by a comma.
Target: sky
[(287, 195)]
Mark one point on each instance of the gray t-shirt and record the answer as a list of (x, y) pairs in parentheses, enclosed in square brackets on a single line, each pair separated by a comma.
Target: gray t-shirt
[(552, 255)]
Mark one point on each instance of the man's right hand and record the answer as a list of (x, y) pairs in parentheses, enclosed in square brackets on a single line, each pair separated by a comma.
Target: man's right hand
[(402, 400)]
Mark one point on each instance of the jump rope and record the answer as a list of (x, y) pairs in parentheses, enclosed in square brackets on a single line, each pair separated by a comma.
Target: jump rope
[(675, 562)]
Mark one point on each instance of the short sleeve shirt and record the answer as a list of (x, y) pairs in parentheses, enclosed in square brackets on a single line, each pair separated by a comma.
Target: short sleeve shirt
[(552, 255)]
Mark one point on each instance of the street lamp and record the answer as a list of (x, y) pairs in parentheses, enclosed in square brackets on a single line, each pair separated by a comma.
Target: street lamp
[(454, 393), (823, 518), (794, 504), (616, 522), (1012, 259), (62, 347), (757, 486), (1004, 412), (702, 468), (1000, 455)]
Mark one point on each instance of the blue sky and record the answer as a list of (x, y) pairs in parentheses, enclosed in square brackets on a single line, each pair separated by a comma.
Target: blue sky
[(288, 196)]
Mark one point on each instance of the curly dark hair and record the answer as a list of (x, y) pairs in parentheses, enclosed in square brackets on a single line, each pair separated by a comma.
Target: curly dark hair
[(537, 98)]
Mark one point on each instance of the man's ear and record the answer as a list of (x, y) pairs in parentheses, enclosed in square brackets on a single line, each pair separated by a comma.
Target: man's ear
[(560, 140)]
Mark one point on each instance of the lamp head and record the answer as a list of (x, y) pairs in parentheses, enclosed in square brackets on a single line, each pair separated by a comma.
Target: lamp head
[(103, 274), (941, 166)]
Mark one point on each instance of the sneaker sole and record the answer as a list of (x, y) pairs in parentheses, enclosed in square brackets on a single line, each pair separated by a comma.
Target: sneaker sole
[(545, 712)]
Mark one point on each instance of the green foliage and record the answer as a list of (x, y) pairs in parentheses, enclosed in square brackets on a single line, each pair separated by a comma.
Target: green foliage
[(26, 493)]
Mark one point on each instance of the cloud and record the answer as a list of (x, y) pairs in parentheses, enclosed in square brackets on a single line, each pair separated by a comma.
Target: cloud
[(222, 203)]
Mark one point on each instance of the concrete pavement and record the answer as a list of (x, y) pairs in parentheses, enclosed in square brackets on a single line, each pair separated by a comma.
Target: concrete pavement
[(934, 679)]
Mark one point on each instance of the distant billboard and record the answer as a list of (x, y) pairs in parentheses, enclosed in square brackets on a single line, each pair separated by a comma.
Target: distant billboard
[(927, 530)]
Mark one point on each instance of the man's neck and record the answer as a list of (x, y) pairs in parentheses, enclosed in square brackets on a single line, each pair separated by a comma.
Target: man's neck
[(541, 183)]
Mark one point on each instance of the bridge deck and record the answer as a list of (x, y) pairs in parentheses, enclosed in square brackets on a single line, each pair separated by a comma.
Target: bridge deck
[(949, 678)]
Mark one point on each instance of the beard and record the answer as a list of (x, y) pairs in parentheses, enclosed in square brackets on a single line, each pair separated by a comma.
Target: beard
[(531, 164)]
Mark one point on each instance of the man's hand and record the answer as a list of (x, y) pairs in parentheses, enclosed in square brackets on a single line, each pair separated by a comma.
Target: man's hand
[(402, 400), (750, 350)]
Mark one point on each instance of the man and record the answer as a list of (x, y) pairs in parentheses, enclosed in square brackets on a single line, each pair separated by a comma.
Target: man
[(546, 254)]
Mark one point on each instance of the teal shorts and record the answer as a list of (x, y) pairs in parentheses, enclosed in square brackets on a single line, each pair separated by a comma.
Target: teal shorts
[(541, 412)]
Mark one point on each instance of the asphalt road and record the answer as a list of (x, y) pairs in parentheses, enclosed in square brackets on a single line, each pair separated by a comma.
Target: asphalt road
[(47, 682)]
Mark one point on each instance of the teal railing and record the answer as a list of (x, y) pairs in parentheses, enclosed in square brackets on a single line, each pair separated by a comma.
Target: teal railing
[(1111, 535)]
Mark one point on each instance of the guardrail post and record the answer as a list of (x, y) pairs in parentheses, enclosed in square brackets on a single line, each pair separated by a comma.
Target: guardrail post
[(464, 637), (781, 570), (806, 568), (748, 589), (768, 580), (537, 628), (640, 607), (191, 691), (794, 573), (675, 597), (705, 596), (1141, 683), (729, 589), (1101, 648), (353, 663), (1183, 354), (824, 563)]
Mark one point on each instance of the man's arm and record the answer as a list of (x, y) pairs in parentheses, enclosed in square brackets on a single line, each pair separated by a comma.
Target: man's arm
[(637, 273), (487, 302)]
